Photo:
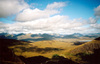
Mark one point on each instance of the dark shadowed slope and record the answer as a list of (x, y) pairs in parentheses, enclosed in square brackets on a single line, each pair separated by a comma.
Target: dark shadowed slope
[(6, 55), (34, 60), (97, 38), (43, 60), (90, 58)]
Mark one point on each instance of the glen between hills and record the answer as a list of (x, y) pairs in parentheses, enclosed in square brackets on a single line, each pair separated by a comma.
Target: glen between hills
[(45, 48), (85, 53)]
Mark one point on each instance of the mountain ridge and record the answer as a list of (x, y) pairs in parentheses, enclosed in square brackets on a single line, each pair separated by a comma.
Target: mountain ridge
[(39, 37)]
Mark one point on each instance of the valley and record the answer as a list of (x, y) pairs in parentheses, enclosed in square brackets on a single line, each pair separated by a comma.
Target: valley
[(74, 49)]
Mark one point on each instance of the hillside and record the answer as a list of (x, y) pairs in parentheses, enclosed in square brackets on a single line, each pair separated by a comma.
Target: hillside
[(87, 47), (85, 53), (88, 53), (48, 48), (7, 56)]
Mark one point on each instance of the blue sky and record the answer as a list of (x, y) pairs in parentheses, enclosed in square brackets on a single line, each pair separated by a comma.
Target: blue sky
[(74, 8), (73, 16)]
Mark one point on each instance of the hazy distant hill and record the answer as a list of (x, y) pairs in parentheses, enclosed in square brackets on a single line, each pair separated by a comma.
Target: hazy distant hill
[(40, 37), (91, 35)]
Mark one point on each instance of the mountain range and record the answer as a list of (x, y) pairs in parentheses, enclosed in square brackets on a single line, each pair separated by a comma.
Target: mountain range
[(45, 36)]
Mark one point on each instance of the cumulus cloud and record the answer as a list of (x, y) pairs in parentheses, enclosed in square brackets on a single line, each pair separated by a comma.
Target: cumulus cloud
[(92, 20), (97, 26), (56, 5), (97, 11), (10, 7), (33, 14), (55, 24), (44, 21), (93, 23), (2, 27), (29, 14)]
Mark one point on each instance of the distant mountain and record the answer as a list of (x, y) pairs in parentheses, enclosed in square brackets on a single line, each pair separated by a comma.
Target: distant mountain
[(70, 36), (45, 36), (92, 35), (38, 37), (10, 36), (77, 34)]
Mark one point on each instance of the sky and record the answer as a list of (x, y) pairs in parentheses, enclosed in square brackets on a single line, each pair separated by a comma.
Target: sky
[(49, 16)]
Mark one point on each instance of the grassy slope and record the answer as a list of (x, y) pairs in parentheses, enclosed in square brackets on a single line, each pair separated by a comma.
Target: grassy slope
[(87, 49), (51, 43), (42, 45)]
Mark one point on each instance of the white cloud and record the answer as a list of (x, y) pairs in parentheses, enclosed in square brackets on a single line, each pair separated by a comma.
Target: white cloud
[(92, 20), (56, 5), (97, 11), (9, 7), (96, 26), (45, 21), (2, 27), (29, 14), (34, 14), (55, 24)]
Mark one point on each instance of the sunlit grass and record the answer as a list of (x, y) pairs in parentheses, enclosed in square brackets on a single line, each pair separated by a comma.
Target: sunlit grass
[(86, 48), (43, 44), (68, 49)]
